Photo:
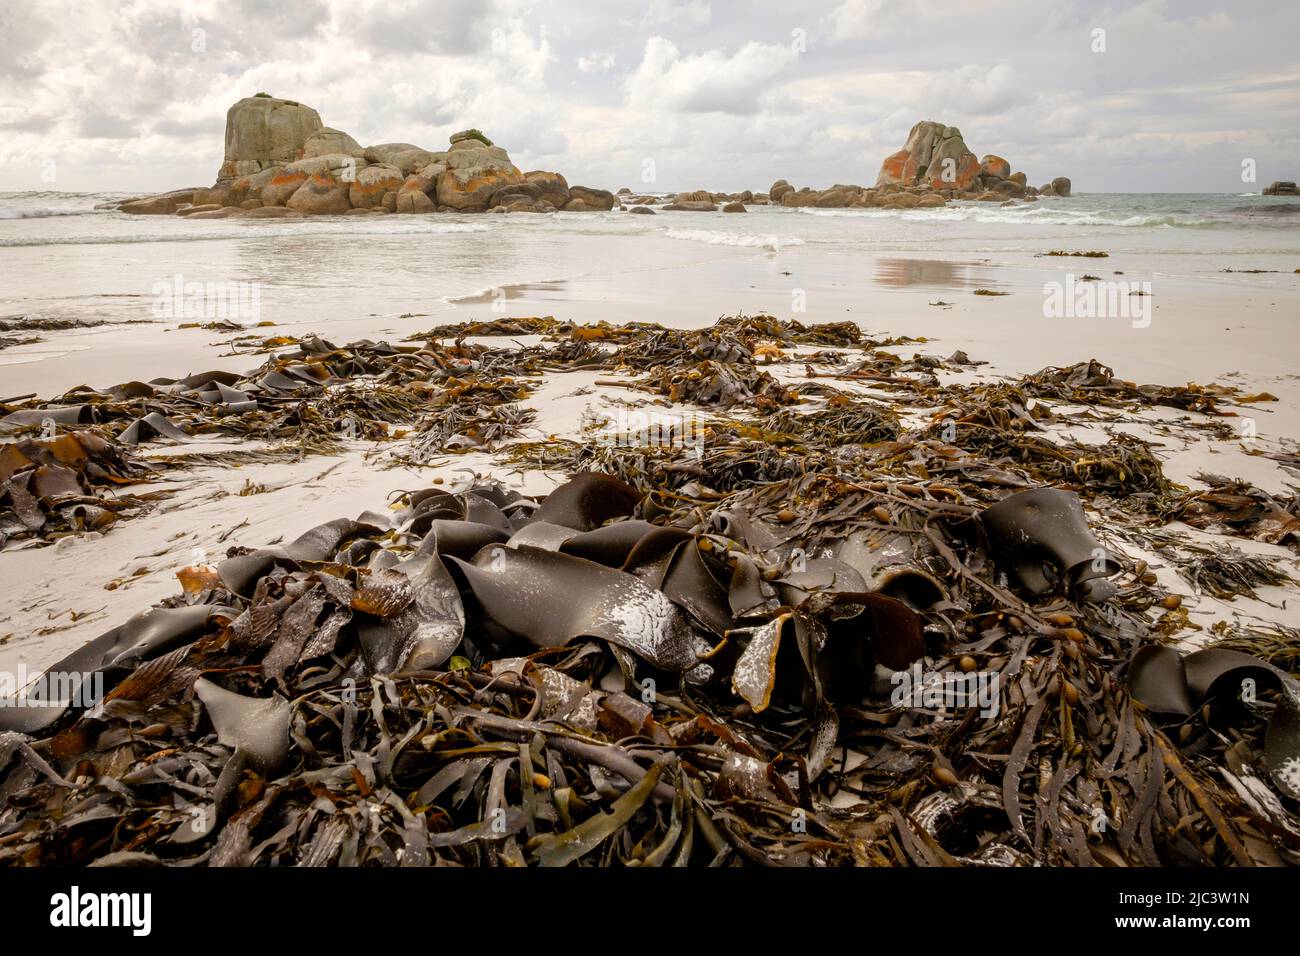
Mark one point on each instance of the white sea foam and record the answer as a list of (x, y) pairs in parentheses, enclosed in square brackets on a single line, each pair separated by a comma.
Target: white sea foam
[(1012, 215), (715, 237), (178, 229)]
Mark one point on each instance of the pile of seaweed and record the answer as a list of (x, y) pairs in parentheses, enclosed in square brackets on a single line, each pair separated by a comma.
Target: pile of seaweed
[(453, 393), (836, 627), (65, 485), (609, 675)]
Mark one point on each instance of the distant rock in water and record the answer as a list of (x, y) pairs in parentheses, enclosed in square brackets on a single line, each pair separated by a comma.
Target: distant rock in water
[(281, 160), (934, 154), (934, 166), (1281, 188), (937, 156)]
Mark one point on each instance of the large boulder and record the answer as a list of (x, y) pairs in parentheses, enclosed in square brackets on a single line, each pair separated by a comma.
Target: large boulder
[(514, 192), (404, 156), (554, 187), (367, 190), (471, 154), (288, 179), (475, 170), (1060, 186), (326, 141), (470, 188), (470, 134), (934, 154), (416, 193), (589, 199), (1281, 188), (414, 201), (235, 192), (837, 197), (799, 198), (321, 195), (264, 131), (164, 204), (384, 152), (426, 179), (995, 167), (779, 189)]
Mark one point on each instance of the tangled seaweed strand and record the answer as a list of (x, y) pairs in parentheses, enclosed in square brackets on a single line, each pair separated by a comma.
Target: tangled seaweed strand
[(284, 727)]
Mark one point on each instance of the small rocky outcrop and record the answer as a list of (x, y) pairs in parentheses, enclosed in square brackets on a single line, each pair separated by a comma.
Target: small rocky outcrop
[(933, 154), (1281, 188), (936, 156), (552, 187), (1060, 186), (163, 204), (278, 155), (590, 199), (934, 167)]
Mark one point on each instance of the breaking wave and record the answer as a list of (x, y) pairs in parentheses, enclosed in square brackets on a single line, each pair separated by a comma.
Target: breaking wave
[(716, 237), (178, 230)]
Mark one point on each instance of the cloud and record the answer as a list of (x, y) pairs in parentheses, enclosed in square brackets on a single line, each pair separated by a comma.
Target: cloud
[(977, 90), (685, 13), (596, 63), (105, 126), (24, 33), (852, 19), (119, 95), (708, 82)]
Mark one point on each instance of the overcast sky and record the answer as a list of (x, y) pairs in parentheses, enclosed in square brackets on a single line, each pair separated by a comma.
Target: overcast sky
[(702, 93)]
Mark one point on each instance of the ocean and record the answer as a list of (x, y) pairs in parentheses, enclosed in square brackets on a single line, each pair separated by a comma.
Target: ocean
[(63, 259)]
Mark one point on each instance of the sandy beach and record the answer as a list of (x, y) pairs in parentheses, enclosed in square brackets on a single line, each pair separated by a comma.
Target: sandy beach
[(510, 436), (1206, 326)]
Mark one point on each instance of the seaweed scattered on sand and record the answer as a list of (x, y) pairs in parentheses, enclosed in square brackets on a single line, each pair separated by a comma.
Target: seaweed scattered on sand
[(820, 627), (66, 485)]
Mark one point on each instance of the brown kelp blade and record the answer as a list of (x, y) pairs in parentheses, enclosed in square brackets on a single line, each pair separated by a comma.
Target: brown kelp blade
[(551, 599)]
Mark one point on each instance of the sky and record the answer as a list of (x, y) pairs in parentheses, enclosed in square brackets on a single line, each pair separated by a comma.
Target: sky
[(665, 95)]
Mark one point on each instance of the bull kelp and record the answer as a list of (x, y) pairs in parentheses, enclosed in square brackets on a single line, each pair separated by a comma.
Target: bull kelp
[(853, 616)]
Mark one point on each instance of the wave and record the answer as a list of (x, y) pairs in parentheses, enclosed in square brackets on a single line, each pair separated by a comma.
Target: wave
[(47, 212), (1020, 215), (45, 204), (1278, 209), (245, 229), (716, 237)]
